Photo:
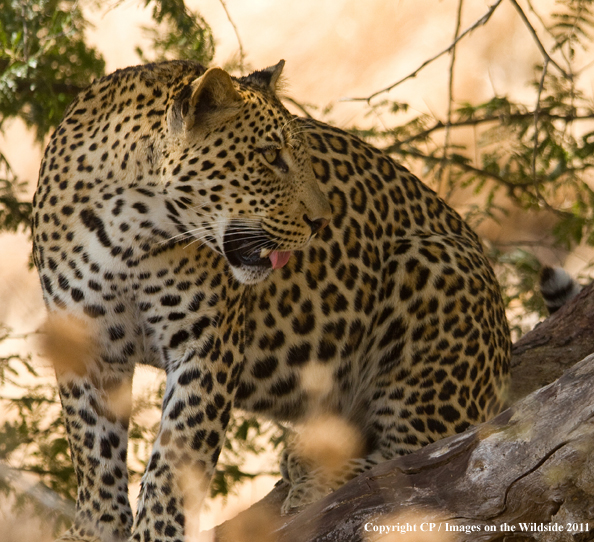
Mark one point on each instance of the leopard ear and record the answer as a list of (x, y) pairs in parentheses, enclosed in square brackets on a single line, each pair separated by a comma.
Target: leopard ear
[(210, 97), (268, 77)]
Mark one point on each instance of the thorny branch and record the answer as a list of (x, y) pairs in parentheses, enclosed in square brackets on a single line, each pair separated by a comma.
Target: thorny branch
[(480, 22)]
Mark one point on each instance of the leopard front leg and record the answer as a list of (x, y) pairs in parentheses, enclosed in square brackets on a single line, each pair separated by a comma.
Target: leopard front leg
[(94, 381), (199, 396), (98, 438)]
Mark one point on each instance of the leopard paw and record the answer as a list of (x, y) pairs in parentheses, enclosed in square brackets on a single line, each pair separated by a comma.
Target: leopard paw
[(304, 492)]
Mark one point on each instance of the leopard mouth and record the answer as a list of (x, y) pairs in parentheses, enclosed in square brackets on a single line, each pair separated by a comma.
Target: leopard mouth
[(244, 248)]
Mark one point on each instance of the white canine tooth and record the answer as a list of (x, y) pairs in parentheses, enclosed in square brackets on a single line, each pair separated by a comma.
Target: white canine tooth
[(265, 252)]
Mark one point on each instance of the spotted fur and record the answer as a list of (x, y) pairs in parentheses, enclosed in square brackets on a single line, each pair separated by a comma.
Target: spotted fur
[(180, 216)]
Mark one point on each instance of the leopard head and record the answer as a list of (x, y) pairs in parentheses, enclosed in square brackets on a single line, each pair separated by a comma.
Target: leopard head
[(238, 174)]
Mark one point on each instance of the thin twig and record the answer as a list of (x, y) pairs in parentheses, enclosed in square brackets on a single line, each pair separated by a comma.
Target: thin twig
[(540, 46), (446, 144), (536, 114), (241, 50), (299, 106), (549, 32), (540, 19), (480, 22)]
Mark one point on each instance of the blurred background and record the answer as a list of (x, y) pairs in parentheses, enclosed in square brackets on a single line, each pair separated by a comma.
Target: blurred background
[(500, 125)]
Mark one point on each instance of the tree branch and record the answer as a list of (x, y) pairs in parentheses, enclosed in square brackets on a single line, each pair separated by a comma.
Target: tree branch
[(448, 125), (440, 125), (466, 168), (241, 50), (299, 106), (480, 22), (50, 500), (539, 44), (546, 352), (536, 113)]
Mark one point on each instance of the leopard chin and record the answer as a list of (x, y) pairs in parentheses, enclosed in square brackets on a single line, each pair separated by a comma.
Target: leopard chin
[(250, 275)]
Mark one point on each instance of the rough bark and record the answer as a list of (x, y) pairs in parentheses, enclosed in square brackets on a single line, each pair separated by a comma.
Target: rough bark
[(531, 464), (553, 346)]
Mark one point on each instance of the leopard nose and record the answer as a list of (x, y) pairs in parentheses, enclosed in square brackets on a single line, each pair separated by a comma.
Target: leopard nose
[(316, 224)]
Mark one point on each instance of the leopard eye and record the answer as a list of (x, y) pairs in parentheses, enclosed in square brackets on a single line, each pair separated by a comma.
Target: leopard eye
[(271, 154)]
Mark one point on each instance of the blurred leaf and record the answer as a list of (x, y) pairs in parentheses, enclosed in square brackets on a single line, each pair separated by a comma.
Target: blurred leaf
[(178, 33), (44, 61)]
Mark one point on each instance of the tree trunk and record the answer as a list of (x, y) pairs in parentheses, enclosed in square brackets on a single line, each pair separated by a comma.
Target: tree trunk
[(553, 346), (526, 475)]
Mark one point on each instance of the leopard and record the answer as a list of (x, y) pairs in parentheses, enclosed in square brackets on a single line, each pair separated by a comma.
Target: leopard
[(185, 219)]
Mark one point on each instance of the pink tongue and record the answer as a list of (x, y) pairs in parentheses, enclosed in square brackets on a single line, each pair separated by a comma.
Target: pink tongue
[(279, 259)]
